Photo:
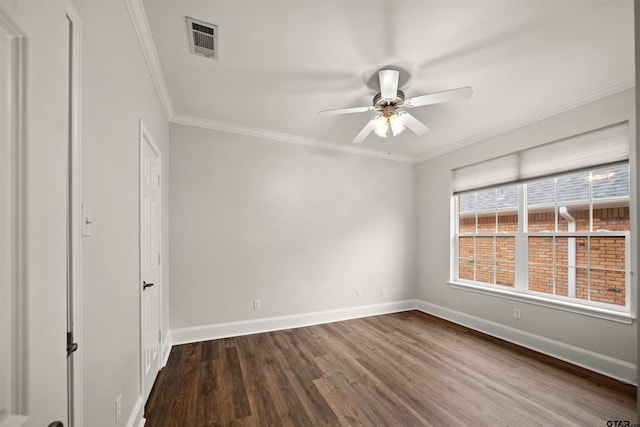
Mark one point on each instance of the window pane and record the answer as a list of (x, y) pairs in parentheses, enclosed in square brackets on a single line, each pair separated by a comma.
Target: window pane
[(487, 222), (466, 257), (506, 249), (582, 251), (541, 250), (608, 253), (611, 218), (542, 220), (484, 248), (487, 200), (505, 273), (572, 188), (541, 278), (467, 202), (507, 197), (508, 222), (610, 182), (465, 269), (608, 286), (541, 193), (467, 224), (485, 271), (582, 283)]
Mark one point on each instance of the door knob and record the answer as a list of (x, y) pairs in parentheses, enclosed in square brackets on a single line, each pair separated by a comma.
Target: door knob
[(146, 285)]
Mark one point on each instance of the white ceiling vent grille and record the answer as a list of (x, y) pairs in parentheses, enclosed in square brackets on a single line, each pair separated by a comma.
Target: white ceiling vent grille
[(203, 38)]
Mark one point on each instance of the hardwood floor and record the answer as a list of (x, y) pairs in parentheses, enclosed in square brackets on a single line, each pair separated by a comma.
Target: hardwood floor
[(402, 369)]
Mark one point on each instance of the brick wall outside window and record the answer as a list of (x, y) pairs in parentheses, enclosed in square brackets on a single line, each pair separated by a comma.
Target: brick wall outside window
[(604, 269)]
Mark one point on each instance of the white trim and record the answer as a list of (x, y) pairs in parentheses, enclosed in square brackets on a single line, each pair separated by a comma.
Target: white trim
[(561, 107), (16, 216), (184, 119), (141, 27), (269, 324), (166, 348), (137, 414), (591, 311), (76, 362), (603, 364)]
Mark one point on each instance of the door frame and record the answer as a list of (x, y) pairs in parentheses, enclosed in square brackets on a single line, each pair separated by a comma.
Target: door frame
[(14, 269), (74, 232), (146, 138)]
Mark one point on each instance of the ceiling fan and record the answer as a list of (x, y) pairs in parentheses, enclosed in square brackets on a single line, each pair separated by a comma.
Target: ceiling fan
[(390, 102)]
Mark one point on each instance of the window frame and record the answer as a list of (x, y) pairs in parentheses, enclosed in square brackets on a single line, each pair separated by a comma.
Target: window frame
[(520, 291)]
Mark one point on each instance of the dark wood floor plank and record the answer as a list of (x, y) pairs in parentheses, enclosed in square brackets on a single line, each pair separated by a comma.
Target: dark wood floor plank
[(401, 369)]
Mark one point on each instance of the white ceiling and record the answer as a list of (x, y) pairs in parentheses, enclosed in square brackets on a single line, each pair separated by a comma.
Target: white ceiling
[(280, 62)]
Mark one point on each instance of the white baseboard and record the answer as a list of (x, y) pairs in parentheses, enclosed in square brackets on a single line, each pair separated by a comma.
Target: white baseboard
[(603, 364), (136, 418), (166, 348), (247, 327)]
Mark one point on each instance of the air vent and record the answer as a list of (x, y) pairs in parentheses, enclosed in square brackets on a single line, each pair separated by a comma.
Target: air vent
[(203, 38)]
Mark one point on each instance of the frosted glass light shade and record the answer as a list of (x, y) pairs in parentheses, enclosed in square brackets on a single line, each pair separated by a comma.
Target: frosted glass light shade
[(380, 126), (397, 124)]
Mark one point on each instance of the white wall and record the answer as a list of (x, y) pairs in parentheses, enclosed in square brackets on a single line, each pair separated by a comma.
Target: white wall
[(299, 228), (606, 339), (117, 91)]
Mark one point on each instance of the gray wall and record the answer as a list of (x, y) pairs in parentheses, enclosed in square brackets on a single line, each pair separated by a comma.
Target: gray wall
[(299, 228), (603, 337), (117, 91)]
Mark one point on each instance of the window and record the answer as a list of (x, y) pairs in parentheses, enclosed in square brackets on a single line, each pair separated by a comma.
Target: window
[(563, 237), (556, 235)]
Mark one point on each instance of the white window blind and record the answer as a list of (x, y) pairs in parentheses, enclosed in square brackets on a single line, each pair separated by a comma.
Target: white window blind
[(598, 147)]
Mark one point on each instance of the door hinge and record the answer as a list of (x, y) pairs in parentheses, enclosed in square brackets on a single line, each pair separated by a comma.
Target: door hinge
[(158, 180), (71, 346), (158, 257), (159, 336)]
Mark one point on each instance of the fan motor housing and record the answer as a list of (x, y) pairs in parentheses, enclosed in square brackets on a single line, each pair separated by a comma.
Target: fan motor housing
[(379, 102)]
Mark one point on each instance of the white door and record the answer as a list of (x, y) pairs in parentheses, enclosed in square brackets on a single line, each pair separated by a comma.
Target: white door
[(150, 249), (40, 117)]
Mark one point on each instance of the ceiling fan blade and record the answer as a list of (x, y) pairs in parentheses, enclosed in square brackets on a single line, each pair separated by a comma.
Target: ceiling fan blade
[(437, 97), (388, 83), (366, 130), (346, 110), (415, 125)]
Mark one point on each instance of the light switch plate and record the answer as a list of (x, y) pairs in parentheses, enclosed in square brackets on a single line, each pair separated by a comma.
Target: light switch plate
[(87, 221)]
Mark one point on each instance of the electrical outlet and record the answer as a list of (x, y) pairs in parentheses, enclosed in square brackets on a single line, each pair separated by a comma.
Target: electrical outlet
[(118, 408), (516, 313), (383, 292), (257, 304)]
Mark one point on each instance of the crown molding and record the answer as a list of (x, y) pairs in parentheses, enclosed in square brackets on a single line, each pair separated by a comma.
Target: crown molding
[(141, 27), (603, 92), (187, 120)]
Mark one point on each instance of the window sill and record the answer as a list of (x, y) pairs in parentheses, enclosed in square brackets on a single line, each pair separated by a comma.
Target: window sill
[(600, 313)]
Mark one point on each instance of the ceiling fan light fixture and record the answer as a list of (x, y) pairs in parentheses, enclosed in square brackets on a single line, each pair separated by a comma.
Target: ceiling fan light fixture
[(396, 122), (380, 126)]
